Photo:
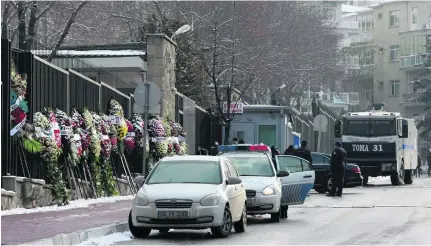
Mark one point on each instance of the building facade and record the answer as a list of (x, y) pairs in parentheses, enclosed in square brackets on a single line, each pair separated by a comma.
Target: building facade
[(386, 54)]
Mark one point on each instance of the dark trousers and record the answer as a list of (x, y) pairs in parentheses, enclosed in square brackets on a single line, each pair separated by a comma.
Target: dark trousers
[(337, 181)]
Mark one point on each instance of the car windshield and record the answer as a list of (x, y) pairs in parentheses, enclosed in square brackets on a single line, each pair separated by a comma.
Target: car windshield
[(186, 171), (370, 127), (252, 166)]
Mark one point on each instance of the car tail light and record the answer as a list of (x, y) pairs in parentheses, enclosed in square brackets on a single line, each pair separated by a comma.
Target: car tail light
[(356, 170)]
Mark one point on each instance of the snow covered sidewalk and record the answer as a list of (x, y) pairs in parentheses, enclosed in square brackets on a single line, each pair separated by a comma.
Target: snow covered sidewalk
[(27, 225)]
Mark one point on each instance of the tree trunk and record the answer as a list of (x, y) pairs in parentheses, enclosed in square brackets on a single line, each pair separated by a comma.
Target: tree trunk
[(227, 133), (21, 25), (31, 26), (4, 24), (65, 31)]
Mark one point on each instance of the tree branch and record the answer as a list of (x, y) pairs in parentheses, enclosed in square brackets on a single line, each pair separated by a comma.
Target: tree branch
[(43, 12), (66, 31)]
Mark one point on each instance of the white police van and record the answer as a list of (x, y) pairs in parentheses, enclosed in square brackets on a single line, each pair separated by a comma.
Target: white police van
[(269, 191)]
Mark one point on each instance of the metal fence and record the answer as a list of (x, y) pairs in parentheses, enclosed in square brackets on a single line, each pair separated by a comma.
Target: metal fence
[(48, 86), (303, 124), (51, 86), (201, 127)]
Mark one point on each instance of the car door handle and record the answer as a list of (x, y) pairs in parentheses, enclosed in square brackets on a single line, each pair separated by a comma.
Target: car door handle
[(308, 176)]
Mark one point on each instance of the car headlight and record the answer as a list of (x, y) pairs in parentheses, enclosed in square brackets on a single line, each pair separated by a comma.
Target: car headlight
[(210, 200), (269, 190), (141, 199)]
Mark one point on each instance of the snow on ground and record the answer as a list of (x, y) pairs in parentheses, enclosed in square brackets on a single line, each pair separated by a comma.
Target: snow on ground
[(377, 179), (109, 239), (81, 203)]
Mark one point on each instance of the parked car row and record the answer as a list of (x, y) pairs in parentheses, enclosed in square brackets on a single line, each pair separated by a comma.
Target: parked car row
[(218, 192)]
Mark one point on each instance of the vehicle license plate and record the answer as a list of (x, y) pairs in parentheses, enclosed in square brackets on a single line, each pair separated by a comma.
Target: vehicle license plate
[(386, 166), (173, 214)]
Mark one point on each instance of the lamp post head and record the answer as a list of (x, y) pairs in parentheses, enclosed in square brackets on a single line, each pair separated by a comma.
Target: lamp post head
[(181, 30)]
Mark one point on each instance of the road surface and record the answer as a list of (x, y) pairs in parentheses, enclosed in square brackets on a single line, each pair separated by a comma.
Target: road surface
[(376, 214)]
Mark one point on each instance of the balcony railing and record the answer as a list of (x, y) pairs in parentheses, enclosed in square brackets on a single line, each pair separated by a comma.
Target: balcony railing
[(411, 61), (412, 97)]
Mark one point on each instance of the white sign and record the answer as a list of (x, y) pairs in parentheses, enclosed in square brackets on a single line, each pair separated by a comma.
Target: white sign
[(131, 134), (320, 123), (115, 120), (66, 130), (18, 127), (235, 108)]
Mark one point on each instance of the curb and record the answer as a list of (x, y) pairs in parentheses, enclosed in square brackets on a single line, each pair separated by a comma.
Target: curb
[(78, 237)]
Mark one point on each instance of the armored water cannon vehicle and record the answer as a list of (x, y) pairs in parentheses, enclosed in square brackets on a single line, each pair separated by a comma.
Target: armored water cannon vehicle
[(381, 143)]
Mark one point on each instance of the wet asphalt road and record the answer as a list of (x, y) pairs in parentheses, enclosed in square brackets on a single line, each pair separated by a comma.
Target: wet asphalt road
[(376, 214)]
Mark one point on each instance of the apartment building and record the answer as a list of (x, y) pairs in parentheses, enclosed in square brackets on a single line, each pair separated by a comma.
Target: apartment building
[(386, 53)]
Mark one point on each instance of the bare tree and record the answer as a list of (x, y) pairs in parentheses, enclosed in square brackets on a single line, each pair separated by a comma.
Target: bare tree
[(66, 30)]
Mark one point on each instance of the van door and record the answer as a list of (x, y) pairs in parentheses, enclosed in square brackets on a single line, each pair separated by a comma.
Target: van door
[(300, 180)]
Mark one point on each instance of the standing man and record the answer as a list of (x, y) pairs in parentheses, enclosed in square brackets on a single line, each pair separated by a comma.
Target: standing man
[(338, 162), (304, 152), (419, 167)]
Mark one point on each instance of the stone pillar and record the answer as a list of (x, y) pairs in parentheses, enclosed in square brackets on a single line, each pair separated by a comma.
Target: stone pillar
[(161, 70)]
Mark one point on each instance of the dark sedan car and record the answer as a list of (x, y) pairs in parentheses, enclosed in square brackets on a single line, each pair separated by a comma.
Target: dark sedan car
[(322, 168)]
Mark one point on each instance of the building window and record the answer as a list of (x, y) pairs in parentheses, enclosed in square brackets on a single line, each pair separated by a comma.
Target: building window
[(394, 56), (394, 18), (414, 15), (366, 23), (395, 87), (413, 44), (367, 58)]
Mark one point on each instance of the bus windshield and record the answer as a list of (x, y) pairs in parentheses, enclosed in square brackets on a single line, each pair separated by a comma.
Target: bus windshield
[(369, 127)]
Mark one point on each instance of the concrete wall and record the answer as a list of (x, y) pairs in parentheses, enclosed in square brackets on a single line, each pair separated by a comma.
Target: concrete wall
[(161, 70)]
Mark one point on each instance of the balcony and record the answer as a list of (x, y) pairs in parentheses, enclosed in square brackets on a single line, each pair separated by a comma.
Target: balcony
[(411, 99), (411, 61)]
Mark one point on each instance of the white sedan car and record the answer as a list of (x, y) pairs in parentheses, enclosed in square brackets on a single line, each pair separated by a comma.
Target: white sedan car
[(190, 192)]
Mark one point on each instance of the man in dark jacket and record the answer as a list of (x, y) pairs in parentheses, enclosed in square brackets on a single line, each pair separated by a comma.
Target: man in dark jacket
[(303, 152), (338, 162), (419, 167)]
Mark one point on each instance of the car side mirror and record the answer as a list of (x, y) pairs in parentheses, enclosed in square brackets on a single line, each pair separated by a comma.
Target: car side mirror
[(283, 173), (403, 128), (233, 181), (139, 180), (337, 128)]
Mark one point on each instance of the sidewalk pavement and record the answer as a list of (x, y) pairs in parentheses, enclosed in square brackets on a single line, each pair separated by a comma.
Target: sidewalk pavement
[(25, 228)]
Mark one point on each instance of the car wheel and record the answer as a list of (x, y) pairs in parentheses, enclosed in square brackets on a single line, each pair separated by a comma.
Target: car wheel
[(164, 230), (275, 217), (397, 178), (242, 223), (329, 184), (138, 232), (226, 228), (408, 179)]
